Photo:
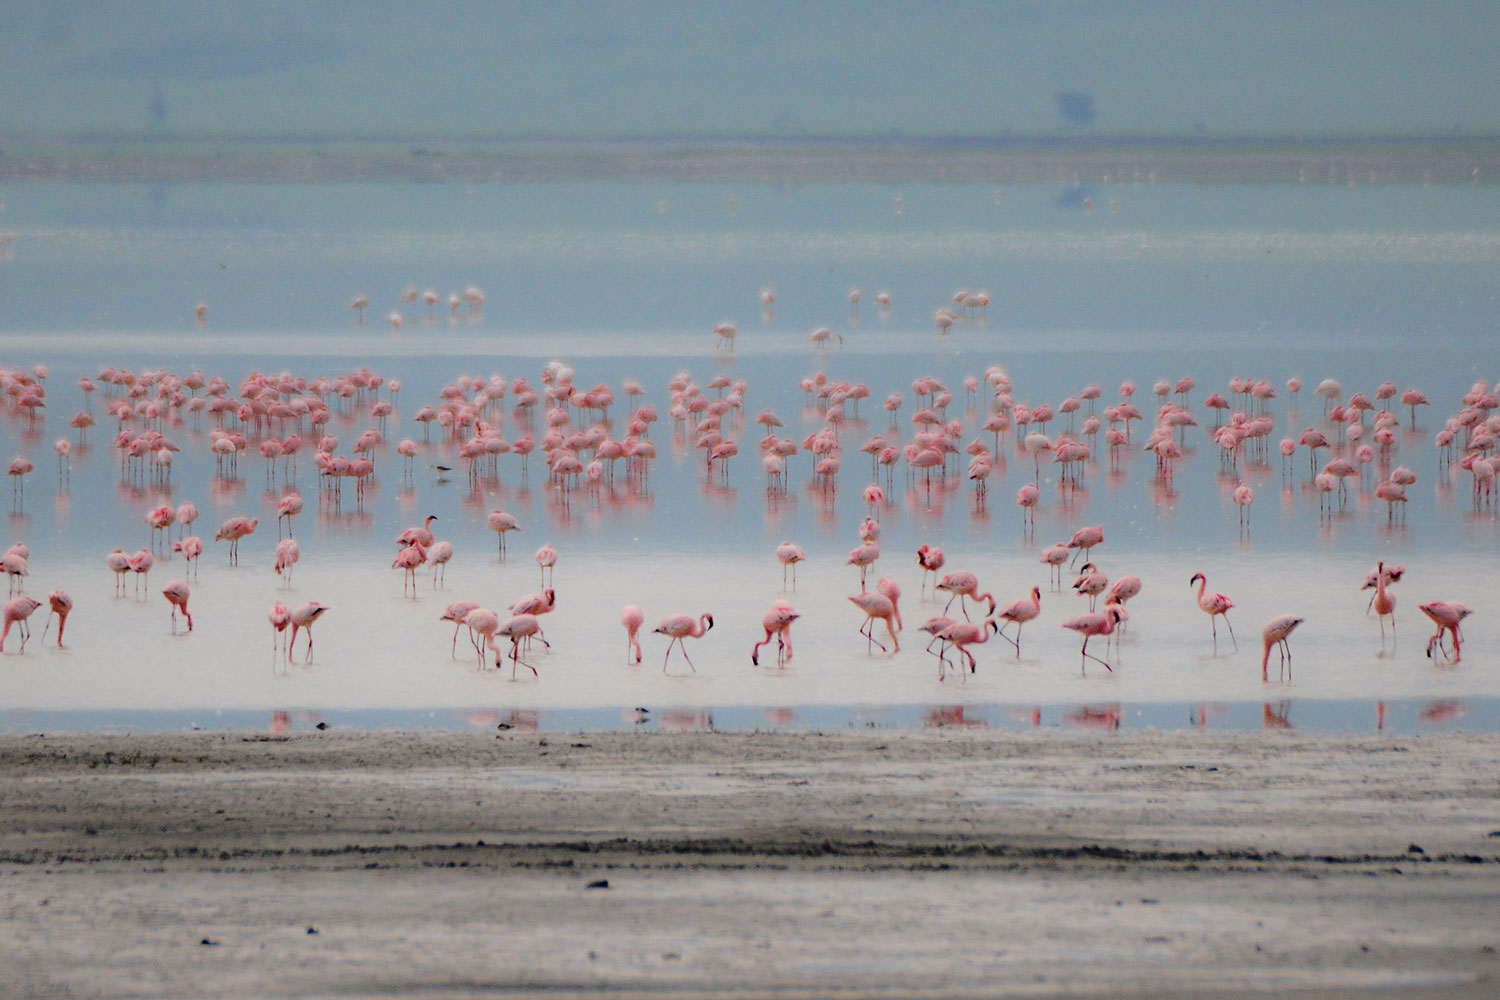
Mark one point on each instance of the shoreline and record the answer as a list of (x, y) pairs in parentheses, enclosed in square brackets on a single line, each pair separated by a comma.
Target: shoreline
[(163, 158), (744, 864)]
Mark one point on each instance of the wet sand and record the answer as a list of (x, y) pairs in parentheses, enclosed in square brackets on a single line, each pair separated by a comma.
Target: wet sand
[(794, 864)]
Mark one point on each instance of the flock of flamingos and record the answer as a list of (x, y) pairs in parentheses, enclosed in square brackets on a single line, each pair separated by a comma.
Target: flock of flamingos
[(285, 418)]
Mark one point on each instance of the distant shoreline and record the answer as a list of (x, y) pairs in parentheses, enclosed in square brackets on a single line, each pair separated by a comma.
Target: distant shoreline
[(145, 158)]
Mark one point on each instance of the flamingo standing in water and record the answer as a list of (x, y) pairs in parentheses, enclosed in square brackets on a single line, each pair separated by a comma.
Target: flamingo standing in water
[(961, 635), (1020, 612), (280, 617), (1212, 605), (679, 627), (632, 618), (303, 618), (1447, 616), (177, 594), (456, 613), (790, 555), (119, 564), (1096, 623), (233, 530), (882, 604), (500, 522), (1085, 539), (287, 554), (1385, 602), (1274, 634), (546, 559), (777, 622), (961, 584), (518, 628), (61, 604), (931, 559), (17, 610)]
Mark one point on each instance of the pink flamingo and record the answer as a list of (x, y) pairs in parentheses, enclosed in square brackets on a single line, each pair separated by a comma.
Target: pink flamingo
[(1085, 539), (1392, 574), (1054, 556), (1028, 496), (931, 559), (440, 555), (962, 584), (517, 628), (233, 530), (119, 564), (407, 560), (177, 594), (789, 555), (482, 623), (303, 618), (1090, 582), (632, 618), (422, 535), (679, 627), (1274, 634), (287, 507), (61, 604), (1020, 611), (1384, 603), (140, 565), (546, 559), (1212, 605), (777, 622), (16, 611), (1447, 616), (191, 548), (287, 554), (456, 613), (280, 617), (1096, 623), (864, 556), (501, 522), (882, 604), (961, 635)]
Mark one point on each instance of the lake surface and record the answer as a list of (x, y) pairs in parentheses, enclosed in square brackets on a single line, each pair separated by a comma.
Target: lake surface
[(1088, 284)]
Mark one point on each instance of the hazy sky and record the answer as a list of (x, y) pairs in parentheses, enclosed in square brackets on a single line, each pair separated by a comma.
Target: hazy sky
[(287, 67)]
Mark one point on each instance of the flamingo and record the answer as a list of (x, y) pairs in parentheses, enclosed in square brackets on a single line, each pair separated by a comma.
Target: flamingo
[(931, 559), (456, 613), (407, 560), (422, 534), (1274, 634), (1447, 616), (61, 604), (546, 558), (140, 565), (482, 623), (777, 622), (1096, 623), (15, 564), (191, 548), (16, 611), (177, 595), (233, 530), (1090, 582), (632, 618), (962, 584), (500, 522), (303, 617), (679, 627), (1384, 603), (1392, 575), (439, 555), (961, 635), (280, 617), (517, 628), (1214, 604), (119, 564), (1020, 611), (287, 554), (1054, 556), (289, 505), (864, 557), (882, 604), (789, 555), (1085, 539)]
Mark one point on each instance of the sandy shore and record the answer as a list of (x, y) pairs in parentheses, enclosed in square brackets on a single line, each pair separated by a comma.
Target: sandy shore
[(941, 863)]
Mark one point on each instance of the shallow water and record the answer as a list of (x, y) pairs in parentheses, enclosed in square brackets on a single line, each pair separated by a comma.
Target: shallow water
[(621, 281)]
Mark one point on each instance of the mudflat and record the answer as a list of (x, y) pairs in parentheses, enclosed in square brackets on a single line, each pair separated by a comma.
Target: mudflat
[(940, 862)]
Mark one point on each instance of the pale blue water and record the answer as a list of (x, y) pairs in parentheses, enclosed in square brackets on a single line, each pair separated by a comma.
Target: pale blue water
[(1363, 283)]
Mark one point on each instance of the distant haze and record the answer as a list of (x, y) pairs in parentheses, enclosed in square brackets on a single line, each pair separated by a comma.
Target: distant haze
[(1345, 68)]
